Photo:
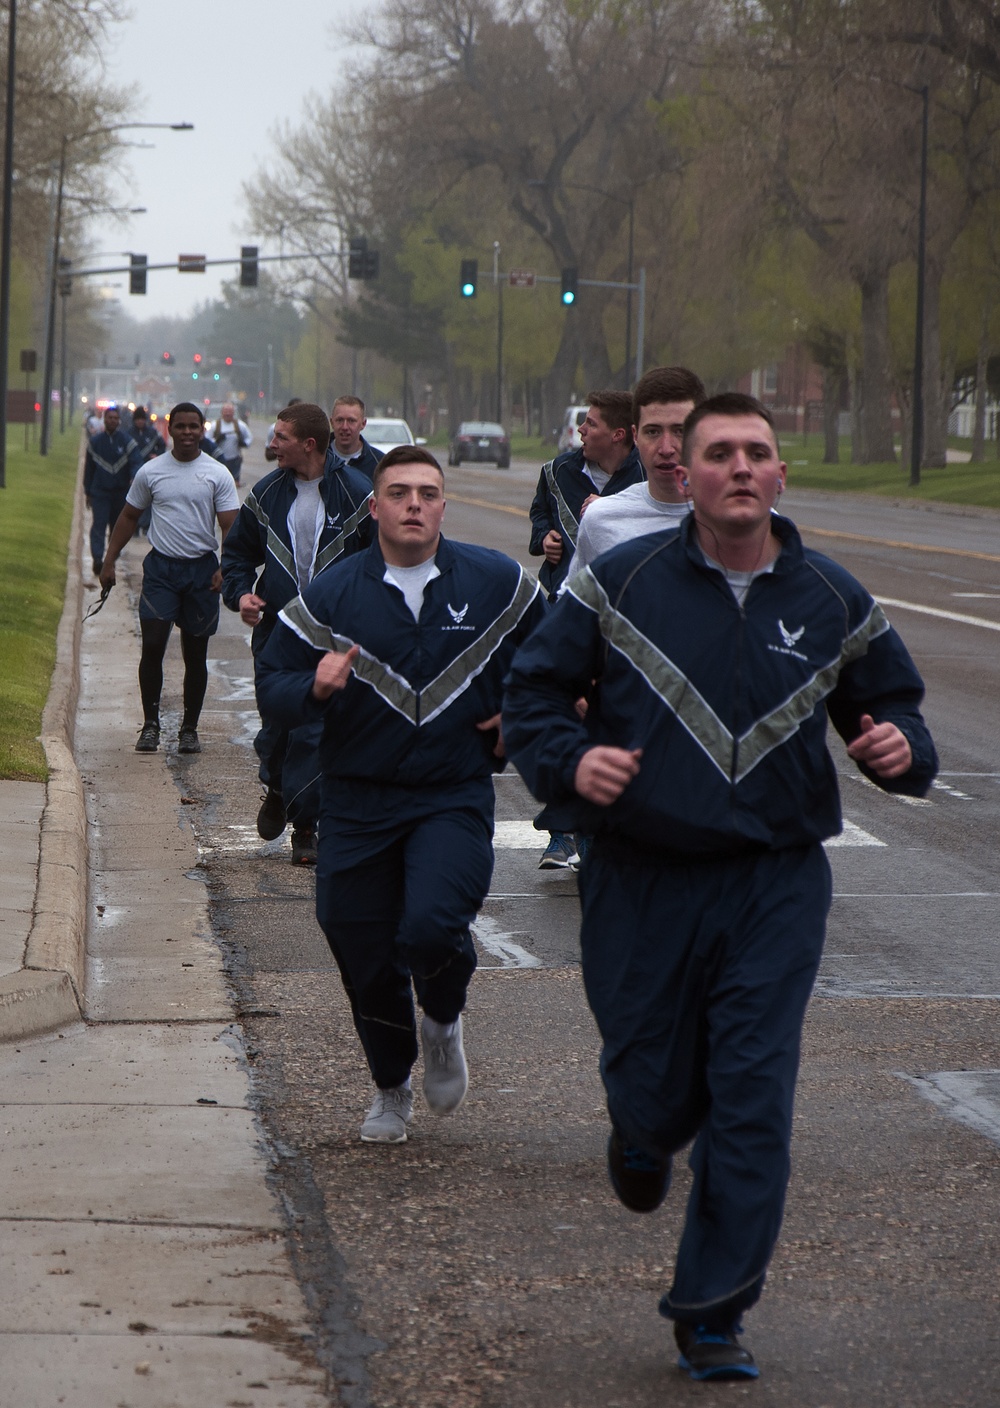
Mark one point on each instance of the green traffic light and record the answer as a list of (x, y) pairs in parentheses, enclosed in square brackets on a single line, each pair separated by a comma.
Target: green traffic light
[(569, 296), (468, 290), (194, 376)]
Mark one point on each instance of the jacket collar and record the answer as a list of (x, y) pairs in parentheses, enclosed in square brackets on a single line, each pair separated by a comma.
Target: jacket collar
[(783, 528), (375, 562)]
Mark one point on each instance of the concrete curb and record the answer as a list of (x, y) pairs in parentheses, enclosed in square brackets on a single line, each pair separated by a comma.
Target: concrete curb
[(48, 991)]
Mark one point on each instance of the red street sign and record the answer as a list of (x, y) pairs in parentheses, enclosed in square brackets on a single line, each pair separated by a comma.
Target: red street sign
[(191, 263), (521, 278)]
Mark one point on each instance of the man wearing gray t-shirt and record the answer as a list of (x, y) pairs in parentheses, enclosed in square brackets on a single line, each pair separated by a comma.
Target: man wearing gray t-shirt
[(188, 493), (660, 403)]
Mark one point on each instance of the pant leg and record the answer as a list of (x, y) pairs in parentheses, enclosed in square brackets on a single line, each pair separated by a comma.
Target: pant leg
[(699, 977), (755, 1010), (359, 912), (101, 505), (448, 866)]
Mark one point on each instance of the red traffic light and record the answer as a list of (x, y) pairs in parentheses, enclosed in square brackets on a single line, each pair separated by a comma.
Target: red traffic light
[(197, 357), (229, 361), (167, 357)]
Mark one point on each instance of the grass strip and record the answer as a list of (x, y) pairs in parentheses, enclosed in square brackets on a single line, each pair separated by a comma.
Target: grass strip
[(36, 511)]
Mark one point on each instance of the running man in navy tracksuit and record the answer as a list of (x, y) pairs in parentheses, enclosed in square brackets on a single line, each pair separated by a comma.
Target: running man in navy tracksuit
[(111, 464), (712, 656), (402, 651), (296, 523)]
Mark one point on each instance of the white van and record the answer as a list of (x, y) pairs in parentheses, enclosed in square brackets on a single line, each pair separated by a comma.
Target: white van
[(569, 435)]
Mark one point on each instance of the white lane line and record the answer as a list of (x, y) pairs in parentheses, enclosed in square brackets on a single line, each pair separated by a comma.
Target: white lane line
[(522, 836), (979, 596), (970, 1097), (951, 791), (943, 615), (920, 895), (853, 835), (488, 933)]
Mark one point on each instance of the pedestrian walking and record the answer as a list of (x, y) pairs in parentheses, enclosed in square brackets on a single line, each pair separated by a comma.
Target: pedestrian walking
[(712, 657), (112, 459), (295, 523), (401, 651), (661, 401), (188, 492), (231, 436), (606, 463)]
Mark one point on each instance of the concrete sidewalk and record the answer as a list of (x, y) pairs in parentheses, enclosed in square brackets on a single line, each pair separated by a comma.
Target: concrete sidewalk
[(145, 1257)]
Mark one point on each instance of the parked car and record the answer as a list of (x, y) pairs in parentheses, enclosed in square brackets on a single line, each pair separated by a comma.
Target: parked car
[(569, 435), (387, 434), (479, 440)]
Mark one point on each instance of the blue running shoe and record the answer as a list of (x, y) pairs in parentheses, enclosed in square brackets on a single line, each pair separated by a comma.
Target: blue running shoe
[(639, 1179), (713, 1354), (560, 853)]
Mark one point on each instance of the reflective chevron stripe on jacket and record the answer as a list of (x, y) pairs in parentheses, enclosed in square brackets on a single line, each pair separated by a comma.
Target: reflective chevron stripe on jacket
[(422, 704), (735, 757)]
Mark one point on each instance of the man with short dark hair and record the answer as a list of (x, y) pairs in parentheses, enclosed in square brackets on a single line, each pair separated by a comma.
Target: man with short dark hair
[(349, 446), (661, 401), (295, 523), (401, 652), (568, 487), (112, 459), (701, 771), (188, 492)]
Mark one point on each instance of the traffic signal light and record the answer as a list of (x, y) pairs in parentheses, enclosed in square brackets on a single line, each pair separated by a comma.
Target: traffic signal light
[(569, 277), (229, 361), (248, 266), (65, 277), (197, 358), (167, 358), (215, 376), (467, 278), (137, 273), (357, 251)]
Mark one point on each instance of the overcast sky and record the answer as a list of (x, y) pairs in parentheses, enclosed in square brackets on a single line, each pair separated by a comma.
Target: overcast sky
[(235, 68)]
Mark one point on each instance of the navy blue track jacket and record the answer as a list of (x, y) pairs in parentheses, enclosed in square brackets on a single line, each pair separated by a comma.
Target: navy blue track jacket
[(111, 462), (408, 713), (729, 703), (563, 485), (364, 461), (149, 443), (260, 536)]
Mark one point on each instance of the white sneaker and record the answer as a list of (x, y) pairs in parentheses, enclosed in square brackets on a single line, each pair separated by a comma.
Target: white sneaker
[(446, 1076), (388, 1117)]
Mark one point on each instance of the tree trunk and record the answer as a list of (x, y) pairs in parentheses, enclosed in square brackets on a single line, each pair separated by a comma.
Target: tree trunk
[(558, 384), (982, 390), (904, 398), (937, 396), (832, 384), (857, 393), (876, 368), (594, 346)]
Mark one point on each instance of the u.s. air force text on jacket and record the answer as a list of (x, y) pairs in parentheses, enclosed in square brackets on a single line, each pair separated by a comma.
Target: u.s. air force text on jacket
[(728, 702), (408, 714), (261, 537)]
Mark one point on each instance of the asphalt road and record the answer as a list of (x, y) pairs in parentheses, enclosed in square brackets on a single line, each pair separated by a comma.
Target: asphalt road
[(486, 1262)]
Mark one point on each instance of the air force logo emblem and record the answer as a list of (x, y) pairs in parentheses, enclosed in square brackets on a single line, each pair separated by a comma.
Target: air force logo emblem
[(458, 615), (790, 637)]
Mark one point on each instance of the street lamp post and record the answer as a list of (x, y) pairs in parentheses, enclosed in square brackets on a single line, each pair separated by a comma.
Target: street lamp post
[(499, 288), (5, 234), (50, 325), (917, 435)]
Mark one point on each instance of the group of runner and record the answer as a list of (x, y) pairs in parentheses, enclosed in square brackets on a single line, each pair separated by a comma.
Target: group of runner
[(668, 705)]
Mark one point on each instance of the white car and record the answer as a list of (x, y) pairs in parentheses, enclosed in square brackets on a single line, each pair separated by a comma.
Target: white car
[(385, 435), (569, 435)]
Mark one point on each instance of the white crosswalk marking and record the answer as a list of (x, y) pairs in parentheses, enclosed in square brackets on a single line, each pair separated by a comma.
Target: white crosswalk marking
[(522, 836)]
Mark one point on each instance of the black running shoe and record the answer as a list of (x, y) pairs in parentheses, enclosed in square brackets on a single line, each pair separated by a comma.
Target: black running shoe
[(640, 1180), (188, 740), (149, 737), (271, 819), (713, 1354), (303, 847)]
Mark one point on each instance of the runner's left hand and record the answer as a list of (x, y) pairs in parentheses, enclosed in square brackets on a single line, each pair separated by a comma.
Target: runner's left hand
[(881, 747)]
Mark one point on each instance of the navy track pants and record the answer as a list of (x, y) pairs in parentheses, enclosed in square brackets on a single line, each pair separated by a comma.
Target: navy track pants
[(105, 505), (699, 976), (404, 912)]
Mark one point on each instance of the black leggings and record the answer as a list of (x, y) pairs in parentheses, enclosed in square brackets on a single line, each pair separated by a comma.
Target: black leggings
[(194, 649)]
